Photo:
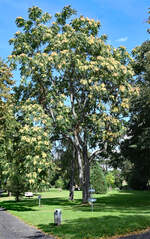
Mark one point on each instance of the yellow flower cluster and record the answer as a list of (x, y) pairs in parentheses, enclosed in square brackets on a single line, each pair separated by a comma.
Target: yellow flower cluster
[(28, 139), (122, 88), (124, 69), (34, 174), (115, 109), (103, 87), (23, 55), (17, 33), (54, 53), (100, 58), (83, 82), (46, 143), (114, 121), (115, 74), (44, 54), (64, 52), (125, 103), (91, 40), (39, 137), (83, 67), (60, 104), (31, 181), (26, 127), (19, 18), (36, 128), (44, 155), (59, 117)]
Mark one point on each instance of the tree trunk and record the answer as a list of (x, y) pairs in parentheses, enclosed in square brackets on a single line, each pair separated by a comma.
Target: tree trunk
[(84, 166), (72, 181), (79, 157), (86, 183), (71, 192), (17, 197), (80, 168)]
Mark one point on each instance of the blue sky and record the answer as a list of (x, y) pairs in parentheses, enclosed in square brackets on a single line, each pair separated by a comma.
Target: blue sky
[(124, 21)]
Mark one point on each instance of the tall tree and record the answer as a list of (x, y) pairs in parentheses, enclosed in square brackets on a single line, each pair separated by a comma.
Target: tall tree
[(82, 83)]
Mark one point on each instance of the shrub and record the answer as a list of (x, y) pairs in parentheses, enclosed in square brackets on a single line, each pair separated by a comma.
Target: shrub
[(97, 179), (59, 183), (110, 179), (138, 181), (16, 185)]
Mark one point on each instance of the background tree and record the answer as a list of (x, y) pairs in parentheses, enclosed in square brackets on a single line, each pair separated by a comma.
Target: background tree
[(6, 116), (27, 163), (97, 178), (82, 83), (34, 145), (136, 147)]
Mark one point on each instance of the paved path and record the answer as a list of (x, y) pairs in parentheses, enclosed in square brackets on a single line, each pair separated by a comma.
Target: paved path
[(12, 228), (145, 235)]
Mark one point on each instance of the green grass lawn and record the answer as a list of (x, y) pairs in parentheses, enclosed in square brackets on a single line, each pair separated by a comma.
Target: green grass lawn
[(114, 213)]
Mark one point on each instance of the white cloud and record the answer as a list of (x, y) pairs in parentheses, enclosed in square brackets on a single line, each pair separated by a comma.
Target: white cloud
[(122, 39)]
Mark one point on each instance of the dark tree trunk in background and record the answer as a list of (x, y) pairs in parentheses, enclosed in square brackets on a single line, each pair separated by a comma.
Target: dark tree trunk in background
[(72, 176), (86, 181)]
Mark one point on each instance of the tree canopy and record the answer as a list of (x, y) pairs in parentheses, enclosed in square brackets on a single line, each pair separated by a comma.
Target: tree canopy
[(82, 83)]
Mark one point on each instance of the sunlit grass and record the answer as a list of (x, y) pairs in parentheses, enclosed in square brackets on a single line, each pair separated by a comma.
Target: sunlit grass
[(114, 213)]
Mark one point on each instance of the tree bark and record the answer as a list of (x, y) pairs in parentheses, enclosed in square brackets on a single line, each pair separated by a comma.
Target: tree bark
[(86, 183), (79, 157), (72, 176), (17, 197)]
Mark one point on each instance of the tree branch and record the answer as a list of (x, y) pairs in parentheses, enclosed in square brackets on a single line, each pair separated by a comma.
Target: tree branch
[(97, 152)]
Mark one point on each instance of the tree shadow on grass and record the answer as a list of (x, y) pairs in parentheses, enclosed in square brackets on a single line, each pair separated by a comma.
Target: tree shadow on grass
[(125, 202), (30, 203), (97, 227), (132, 200), (23, 205)]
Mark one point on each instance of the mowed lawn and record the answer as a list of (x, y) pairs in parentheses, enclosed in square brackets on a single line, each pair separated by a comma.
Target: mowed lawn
[(115, 213)]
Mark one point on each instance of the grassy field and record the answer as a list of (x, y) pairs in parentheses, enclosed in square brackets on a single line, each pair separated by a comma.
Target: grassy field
[(115, 213)]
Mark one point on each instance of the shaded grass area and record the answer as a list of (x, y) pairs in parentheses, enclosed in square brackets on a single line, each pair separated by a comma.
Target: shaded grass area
[(114, 213)]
